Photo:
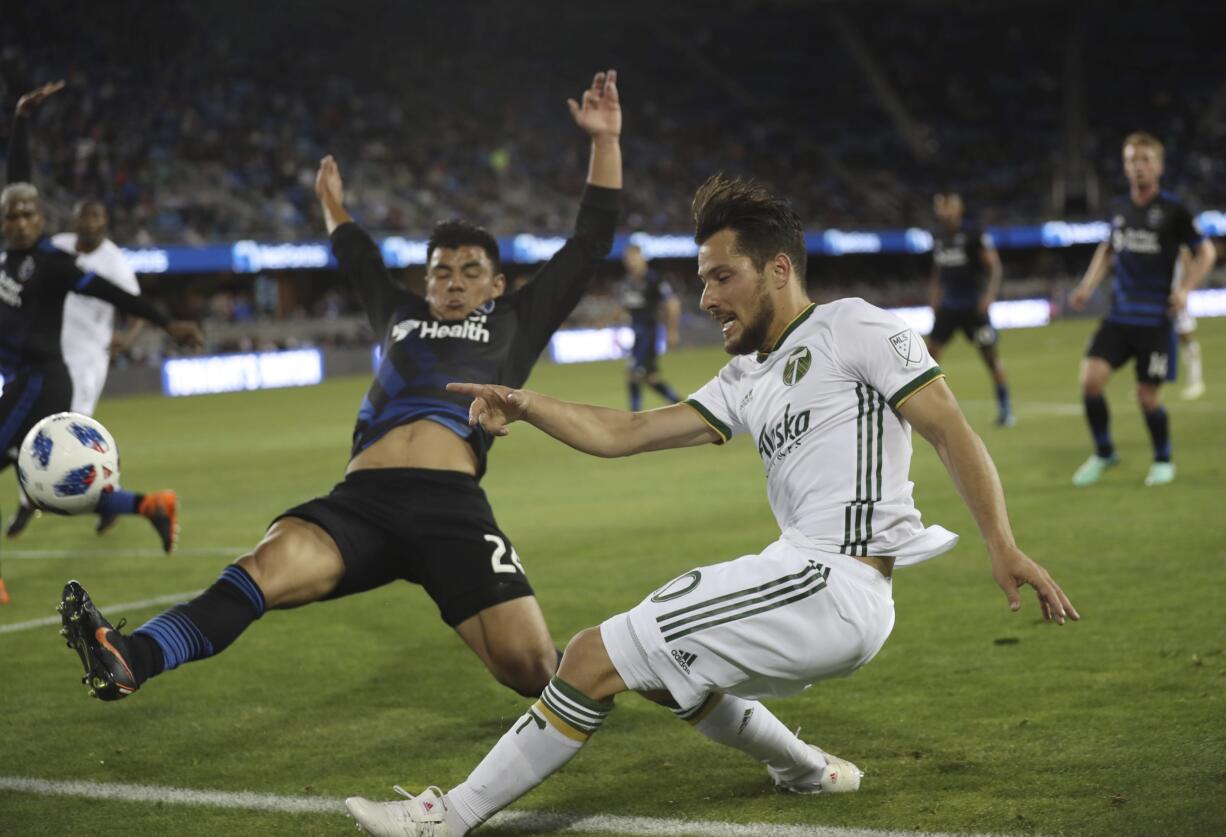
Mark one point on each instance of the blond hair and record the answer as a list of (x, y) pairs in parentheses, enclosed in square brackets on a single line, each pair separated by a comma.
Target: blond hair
[(1141, 138), (16, 192)]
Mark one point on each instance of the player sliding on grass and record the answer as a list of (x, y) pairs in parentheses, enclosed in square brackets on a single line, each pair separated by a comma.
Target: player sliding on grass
[(830, 393), (410, 506)]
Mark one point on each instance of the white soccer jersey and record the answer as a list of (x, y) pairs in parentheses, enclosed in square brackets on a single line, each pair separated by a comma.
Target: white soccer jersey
[(89, 323), (822, 409)]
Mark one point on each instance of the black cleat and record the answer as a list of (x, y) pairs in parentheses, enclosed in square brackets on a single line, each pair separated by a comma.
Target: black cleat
[(102, 649), (105, 522), (20, 520)]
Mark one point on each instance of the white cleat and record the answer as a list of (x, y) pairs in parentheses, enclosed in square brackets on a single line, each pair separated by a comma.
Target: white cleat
[(418, 816), (838, 776), (1193, 391)]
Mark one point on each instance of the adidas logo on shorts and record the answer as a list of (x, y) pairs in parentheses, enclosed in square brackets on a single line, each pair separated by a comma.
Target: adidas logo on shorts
[(685, 659)]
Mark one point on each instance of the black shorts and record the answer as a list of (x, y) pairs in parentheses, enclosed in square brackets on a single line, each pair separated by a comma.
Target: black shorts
[(31, 393), (976, 326), (433, 528), (643, 357), (1154, 347)]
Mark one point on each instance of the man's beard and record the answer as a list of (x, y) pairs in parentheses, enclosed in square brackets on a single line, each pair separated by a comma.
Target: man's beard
[(753, 333)]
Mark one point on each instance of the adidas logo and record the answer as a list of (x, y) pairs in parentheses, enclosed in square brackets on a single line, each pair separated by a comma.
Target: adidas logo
[(685, 659)]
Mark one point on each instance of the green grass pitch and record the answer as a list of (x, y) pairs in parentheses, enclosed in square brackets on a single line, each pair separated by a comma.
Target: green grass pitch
[(971, 718)]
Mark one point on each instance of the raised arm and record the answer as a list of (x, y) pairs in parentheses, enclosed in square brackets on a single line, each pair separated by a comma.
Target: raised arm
[(356, 253), (600, 115), (1100, 265), (18, 168), (555, 290), (599, 431), (934, 412)]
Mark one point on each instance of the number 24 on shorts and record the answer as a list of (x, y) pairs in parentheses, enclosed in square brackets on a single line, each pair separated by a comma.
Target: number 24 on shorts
[(500, 560)]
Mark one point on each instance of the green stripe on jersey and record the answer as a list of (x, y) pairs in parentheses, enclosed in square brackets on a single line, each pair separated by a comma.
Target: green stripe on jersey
[(919, 382), (709, 417)]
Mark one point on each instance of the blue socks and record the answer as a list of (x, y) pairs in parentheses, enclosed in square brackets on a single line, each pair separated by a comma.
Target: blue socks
[(1100, 424), (202, 627), (1160, 433), (118, 501)]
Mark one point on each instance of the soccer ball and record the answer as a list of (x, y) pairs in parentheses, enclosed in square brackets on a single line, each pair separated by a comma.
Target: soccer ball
[(66, 462)]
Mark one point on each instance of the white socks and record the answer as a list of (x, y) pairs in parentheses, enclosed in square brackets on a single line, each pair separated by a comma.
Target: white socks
[(537, 745), (751, 728)]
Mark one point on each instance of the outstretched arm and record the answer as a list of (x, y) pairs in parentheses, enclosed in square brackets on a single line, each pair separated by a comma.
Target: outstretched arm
[(934, 412), (183, 332), (599, 431)]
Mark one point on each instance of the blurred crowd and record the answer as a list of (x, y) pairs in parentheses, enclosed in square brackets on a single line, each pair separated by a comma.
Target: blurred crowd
[(201, 122)]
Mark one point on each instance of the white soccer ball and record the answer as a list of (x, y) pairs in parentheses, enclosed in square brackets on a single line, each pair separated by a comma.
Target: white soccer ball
[(66, 462)]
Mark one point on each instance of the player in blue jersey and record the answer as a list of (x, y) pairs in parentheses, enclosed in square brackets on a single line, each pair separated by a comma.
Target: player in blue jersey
[(644, 294), (1149, 228), (410, 505), (966, 274)]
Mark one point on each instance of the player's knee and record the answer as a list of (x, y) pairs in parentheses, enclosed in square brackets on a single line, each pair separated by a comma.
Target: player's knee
[(294, 565), (526, 671)]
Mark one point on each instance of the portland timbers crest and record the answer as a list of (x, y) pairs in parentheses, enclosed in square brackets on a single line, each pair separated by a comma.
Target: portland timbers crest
[(797, 364)]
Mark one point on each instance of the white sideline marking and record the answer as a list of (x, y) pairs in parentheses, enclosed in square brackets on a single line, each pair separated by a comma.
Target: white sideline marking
[(55, 620), (36, 554), (525, 821)]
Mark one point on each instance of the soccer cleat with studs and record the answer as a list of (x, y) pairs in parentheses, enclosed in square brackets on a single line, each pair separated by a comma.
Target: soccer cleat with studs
[(838, 776), (101, 647), (424, 815)]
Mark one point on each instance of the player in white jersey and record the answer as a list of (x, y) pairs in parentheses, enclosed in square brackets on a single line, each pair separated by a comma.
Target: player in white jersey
[(830, 393), (1185, 327), (89, 323)]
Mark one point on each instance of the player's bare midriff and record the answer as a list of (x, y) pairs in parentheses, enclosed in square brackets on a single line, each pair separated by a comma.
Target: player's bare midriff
[(419, 444), (880, 563)]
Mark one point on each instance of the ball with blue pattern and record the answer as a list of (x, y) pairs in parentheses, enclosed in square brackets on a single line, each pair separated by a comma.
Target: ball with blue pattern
[(66, 462)]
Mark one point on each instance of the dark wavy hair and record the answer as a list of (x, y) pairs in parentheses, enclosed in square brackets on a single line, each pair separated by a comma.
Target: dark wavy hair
[(456, 233), (765, 225)]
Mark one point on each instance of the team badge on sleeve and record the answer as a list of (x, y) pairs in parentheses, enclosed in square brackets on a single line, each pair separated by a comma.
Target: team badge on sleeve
[(907, 345)]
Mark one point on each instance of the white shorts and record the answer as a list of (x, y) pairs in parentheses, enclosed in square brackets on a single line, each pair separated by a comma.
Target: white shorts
[(1185, 323), (88, 379), (761, 626)]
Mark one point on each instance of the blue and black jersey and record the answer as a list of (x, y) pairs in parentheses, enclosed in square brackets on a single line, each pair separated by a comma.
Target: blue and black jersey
[(496, 344), (958, 257), (1145, 241), (642, 298), (33, 284)]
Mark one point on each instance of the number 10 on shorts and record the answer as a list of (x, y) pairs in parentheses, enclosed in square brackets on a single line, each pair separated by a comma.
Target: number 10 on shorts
[(501, 562)]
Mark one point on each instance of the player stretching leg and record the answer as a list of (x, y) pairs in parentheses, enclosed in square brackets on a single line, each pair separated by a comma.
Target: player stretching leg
[(835, 391), (644, 293), (962, 256), (1148, 229), (87, 331), (410, 505), (34, 280)]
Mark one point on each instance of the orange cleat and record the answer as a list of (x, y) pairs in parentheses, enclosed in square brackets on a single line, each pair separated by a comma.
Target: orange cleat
[(4, 593), (161, 508)]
